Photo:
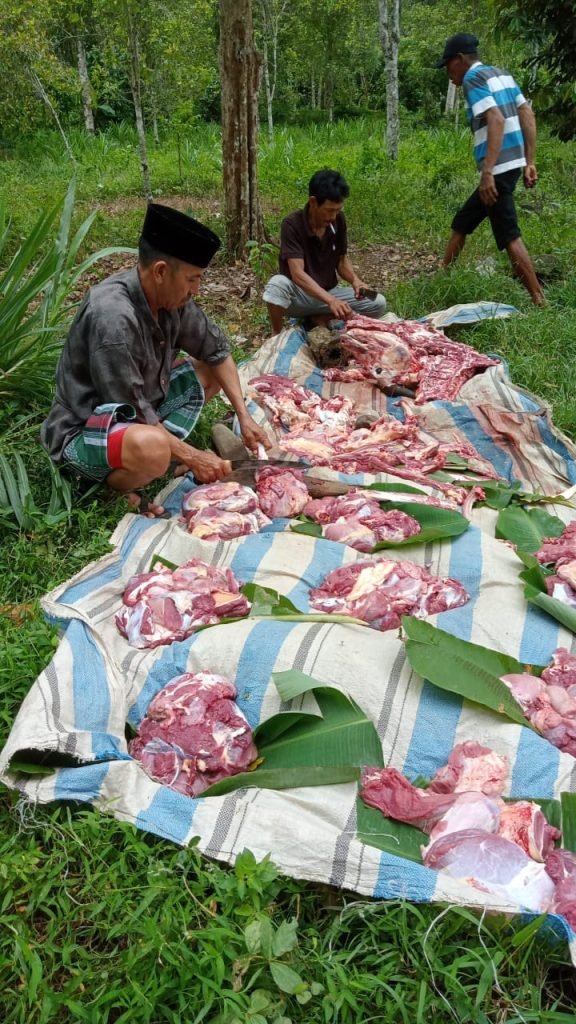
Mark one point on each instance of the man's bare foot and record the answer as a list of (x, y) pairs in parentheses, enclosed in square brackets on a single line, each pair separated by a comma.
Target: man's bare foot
[(146, 508)]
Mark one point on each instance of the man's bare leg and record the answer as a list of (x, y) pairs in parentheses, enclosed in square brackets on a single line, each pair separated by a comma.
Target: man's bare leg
[(524, 268), (456, 243), (145, 457), (276, 314)]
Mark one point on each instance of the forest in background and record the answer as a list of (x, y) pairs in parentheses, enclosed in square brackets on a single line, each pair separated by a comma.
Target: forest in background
[(88, 63)]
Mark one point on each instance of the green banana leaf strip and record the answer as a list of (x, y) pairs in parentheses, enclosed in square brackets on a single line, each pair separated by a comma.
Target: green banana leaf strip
[(276, 726), (162, 561), (436, 524), (394, 487), (463, 668), (375, 829), (283, 778), (568, 805), (311, 750), (266, 601), (292, 683), (526, 528), (28, 768), (563, 613), (309, 528)]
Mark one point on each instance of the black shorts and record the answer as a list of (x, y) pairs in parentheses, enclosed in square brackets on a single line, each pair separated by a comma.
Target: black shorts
[(502, 215)]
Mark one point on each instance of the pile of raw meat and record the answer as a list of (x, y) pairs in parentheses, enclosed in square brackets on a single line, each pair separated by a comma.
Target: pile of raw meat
[(549, 700), (381, 591), (561, 553), (222, 511), (290, 406), (193, 734), (358, 520), (164, 605), (386, 446), (500, 847), (408, 354), (227, 510)]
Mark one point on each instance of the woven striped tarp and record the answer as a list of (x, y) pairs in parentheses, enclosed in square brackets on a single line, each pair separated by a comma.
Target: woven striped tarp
[(96, 682)]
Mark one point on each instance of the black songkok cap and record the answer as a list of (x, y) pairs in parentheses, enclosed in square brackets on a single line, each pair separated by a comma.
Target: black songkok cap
[(176, 234), (462, 42)]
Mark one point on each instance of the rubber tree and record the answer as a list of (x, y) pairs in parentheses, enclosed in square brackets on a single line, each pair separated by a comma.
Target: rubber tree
[(389, 24), (240, 74)]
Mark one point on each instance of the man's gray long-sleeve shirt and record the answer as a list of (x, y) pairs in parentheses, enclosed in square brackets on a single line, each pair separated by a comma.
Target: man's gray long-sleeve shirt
[(117, 352)]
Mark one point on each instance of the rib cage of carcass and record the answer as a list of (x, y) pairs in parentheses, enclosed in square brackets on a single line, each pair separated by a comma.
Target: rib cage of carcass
[(408, 354)]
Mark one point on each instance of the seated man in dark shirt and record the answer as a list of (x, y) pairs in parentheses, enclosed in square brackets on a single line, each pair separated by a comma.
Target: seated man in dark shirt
[(313, 256), (125, 403)]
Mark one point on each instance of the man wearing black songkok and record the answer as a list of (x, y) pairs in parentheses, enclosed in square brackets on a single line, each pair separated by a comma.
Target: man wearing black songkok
[(125, 403)]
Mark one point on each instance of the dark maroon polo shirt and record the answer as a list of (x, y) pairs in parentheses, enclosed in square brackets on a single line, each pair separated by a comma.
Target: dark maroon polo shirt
[(321, 255)]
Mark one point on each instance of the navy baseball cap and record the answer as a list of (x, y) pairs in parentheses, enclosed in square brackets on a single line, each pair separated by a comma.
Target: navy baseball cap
[(462, 42)]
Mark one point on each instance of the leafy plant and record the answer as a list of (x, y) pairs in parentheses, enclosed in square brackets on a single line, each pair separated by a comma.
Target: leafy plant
[(18, 508), (36, 296)]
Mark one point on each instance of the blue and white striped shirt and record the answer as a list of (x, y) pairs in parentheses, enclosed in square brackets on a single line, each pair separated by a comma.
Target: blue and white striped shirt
[(485, 87)]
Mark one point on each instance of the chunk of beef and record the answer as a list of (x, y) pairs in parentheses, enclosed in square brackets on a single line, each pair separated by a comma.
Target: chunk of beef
[(561, 867), (281, 492), (218, 524), (193, 734), (173, 604), (380, 591), (226, 496), (472, 767), (495, 865)]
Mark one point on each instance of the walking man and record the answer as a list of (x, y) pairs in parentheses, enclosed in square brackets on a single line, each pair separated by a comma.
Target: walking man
[(504, 129)]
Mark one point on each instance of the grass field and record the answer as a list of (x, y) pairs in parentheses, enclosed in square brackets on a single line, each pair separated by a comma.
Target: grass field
[(102, 923)]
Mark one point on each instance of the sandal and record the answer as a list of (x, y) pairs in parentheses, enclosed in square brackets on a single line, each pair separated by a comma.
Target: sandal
[(144, 507)]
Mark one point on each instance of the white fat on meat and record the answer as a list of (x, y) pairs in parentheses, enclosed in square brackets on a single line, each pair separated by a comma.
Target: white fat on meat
[(472, 767), (494, 865), (175, 603)]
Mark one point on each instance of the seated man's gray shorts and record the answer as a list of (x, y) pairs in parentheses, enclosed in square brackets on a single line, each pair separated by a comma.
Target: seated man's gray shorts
[(281, 291)]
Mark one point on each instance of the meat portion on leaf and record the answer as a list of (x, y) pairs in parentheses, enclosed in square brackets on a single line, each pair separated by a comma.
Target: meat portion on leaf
[(193, 734), (381, 591)]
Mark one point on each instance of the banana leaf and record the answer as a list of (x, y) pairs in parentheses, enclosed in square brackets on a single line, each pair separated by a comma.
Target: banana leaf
[(460, 667), (302, 749), (436, 524), (527, 528), (499, 495), (568, 805), (535, 592), (374, 829), (399, 486)]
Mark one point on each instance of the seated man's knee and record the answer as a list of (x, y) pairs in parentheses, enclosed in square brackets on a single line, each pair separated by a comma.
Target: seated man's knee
[(146, 448), (279, 291)]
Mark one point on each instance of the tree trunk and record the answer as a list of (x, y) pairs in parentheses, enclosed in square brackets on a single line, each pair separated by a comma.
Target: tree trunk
[(389, 17), (46, 99), (85, 87), (267, 86), (451, 96), (240, 73), (136, 90)]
